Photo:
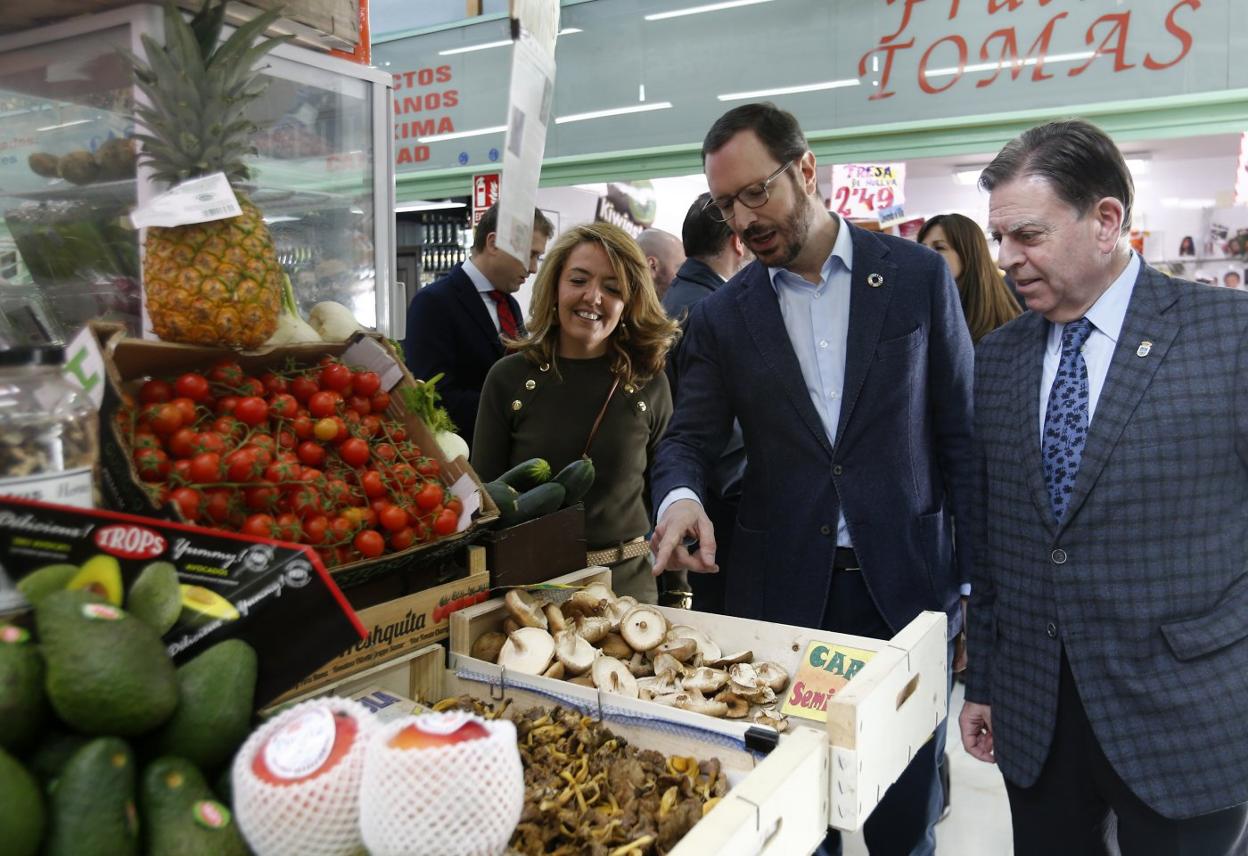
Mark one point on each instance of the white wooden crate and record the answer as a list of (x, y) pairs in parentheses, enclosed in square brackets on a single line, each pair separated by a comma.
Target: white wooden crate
[(875, 723)]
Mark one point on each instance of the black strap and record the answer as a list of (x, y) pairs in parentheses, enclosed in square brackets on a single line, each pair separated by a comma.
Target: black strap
[(593, 432)]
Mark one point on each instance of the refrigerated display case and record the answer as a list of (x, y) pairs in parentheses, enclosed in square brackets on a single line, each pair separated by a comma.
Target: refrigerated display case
[(321, 174)]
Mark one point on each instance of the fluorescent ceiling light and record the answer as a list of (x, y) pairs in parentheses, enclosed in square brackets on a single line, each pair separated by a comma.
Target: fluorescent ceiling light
[(64, 125), (614, 111), (698, 10), (428, 206), (1001, 64), (789, 90), (1189, 204), (967, 175), (459, 135), (566, 31), (1138, 164)]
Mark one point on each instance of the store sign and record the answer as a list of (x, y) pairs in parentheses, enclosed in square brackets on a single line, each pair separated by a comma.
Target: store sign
[(826, 668), (863, 190), (484, 194), (424, 102)]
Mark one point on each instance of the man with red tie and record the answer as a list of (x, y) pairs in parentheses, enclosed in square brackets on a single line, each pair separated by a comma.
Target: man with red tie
[(456, 326)]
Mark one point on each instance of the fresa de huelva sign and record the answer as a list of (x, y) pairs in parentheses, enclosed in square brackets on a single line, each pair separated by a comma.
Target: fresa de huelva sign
[(1029, 40)]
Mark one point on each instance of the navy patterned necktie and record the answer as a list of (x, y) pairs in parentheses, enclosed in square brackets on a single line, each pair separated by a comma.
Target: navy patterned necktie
[(1066, 420)]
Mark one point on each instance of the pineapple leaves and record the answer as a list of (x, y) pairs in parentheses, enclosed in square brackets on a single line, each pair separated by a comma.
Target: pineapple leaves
[(207, 25)]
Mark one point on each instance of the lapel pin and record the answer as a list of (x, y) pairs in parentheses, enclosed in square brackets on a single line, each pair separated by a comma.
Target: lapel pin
[(1144, 348), (875, 280)]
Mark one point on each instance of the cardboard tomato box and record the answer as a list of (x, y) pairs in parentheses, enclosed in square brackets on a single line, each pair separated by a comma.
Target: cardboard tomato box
[(277, 597), (129, 361)]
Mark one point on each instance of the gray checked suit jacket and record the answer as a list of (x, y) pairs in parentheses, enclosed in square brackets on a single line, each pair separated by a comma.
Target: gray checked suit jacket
[(1144, 584)]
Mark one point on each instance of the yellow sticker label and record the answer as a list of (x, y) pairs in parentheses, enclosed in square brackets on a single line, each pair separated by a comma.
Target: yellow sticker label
[(825, 669)]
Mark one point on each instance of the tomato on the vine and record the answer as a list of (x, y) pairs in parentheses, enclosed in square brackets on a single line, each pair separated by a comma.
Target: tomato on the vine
[(155, 392), (379, 401), (365, 384), (289, 528), (209, 441), (252, 411), (323, 404), (373, 485), (194, 386), (217, 504), (250, 387), (335, 376), (310, 453), (283, 406), (303, 388), (181, 443), (241, 465), (206, 467), (260, 525), (314, 529), (354, 452), (165, 418), (359, 404), (260, 497), (187, 408), (446, 522), (370, 543), (226, 404), (404, 474), (274, 384), (281, 471), (430, 496), (226, 372), (429, 467), (303, 426), (403, 538), (393, 518), (325, 429), (305, 502), (153, 464), (180, 472), (386, 452)]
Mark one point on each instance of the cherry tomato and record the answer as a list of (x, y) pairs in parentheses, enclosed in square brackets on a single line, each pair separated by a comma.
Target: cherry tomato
[(370, 426), (206, 468), (429, 467), (404, 474), (373, 485), (380, 400), (303, 426), (305, 502), (359, 404), (274, 384), (265, 444), (260, 525), (252, 411), (226, 372), (365, 384), (403, 539), (182, 443), (354, 451), (228, 426), (340, 528), (325, 429), (430, 496), (446, 522), (241, 466), (165, 418), (284, 406), (250, 387), (311, 454), (303, 388), (314, 529), (209, 441), (456, 505), (335, 376), (155, 392), (386, 452), (279, 472), (323, 404), (369, 543), (393, 518), (153, 464), (226, 404), (260, 497), (289, 528), (194, 386), (217, 504), (397, 432), (180, 473), (286, 440), (187, 409)]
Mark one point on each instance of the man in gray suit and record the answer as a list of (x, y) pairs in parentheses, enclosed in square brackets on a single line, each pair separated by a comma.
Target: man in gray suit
[(1109, 610)]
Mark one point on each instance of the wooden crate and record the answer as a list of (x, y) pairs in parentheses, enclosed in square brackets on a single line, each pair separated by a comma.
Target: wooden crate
[(336, 22), (875, 724), (775, 807)]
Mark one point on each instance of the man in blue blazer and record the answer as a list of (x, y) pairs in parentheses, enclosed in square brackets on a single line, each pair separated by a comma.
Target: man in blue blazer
[(454, 325), (845, 357), (1108, 632)]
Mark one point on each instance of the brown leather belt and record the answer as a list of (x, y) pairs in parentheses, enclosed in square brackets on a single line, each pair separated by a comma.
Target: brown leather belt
[(614, 555), (846, 560)]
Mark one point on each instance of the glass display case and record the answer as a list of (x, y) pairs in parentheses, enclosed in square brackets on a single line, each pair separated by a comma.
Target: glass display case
[(320, 174)]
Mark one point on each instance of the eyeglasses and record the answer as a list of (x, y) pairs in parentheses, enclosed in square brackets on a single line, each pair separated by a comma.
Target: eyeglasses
[(754, 196)]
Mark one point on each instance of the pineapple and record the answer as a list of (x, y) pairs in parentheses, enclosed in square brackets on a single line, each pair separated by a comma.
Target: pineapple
[(216, 283)]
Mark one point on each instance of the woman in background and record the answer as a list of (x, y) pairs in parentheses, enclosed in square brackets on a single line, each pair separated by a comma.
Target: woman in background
[(987, 301), (588, 380)]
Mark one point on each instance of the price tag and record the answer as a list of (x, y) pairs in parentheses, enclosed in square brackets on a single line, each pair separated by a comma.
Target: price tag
[(862, 190), (200, 200), (826, 668)]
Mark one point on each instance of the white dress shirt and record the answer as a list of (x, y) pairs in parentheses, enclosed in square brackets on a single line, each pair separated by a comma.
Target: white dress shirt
[(484, 287), (1106, 315)]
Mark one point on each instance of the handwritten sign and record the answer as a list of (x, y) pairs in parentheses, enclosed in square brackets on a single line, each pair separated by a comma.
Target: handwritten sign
[(826, 668), (862, 190)]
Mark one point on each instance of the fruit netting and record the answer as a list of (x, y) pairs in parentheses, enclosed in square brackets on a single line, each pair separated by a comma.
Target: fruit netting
[(318, 816), (462, 799)]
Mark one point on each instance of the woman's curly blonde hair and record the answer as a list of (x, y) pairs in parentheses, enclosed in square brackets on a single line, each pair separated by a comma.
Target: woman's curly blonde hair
[(639, 344)]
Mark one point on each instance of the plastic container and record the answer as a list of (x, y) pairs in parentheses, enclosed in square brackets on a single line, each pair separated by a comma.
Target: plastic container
[(48, 429)]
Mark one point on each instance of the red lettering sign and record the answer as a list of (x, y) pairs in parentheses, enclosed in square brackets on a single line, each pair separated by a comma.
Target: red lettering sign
[(130, 541)]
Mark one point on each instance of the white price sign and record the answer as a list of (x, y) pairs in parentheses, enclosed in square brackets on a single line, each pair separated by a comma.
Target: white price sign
[(863, 190)]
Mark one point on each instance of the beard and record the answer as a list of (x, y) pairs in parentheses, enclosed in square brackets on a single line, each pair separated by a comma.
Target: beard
[(790, 233)]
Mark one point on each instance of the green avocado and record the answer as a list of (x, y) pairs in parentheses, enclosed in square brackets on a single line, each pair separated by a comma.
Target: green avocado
[(107, 672), (42, 582), (182, 816), (216, 693), (21, 808), (92, 805), (203, 605), (155, 597), (23, 708)]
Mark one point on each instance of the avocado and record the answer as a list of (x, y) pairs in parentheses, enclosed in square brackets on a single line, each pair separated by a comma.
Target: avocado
[(92, 806), (21, 808), (23, 708), (182, 816), (52, 753), (155, 597), (100, 574), (41, 582), (216, 693), (107, 672), (202, 605)]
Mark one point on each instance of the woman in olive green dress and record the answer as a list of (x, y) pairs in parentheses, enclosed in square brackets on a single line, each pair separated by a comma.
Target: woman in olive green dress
[(598, 339)]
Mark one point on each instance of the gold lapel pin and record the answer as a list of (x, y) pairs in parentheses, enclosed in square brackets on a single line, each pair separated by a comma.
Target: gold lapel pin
[(875, 280), (1144, 348)]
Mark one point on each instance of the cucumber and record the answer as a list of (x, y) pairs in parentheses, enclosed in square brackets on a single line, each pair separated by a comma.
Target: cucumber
[(527, 474), (541, 500), (504, 496), (577, 478)]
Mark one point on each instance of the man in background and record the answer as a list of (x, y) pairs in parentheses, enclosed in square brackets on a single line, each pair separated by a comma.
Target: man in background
[(664, 254), (455, 325), (713, 255)]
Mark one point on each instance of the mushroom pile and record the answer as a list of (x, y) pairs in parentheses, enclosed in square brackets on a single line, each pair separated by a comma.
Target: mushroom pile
[(620, 646)]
